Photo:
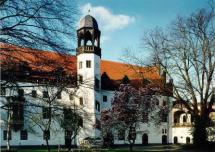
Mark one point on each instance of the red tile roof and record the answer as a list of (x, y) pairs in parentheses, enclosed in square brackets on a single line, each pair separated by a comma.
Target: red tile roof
[(117, 70), (47, 61)]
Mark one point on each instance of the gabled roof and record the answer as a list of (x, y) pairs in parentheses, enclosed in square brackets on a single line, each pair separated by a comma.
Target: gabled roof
[(48, 61), (117, 70)]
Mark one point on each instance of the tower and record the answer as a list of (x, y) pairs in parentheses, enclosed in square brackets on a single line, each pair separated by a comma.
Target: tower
[(88, 71)]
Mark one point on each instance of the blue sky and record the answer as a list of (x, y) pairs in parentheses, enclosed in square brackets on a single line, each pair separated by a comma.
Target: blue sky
[(123, 22)]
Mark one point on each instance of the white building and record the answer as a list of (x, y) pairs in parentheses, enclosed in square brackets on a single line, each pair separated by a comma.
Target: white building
[(93, 94)]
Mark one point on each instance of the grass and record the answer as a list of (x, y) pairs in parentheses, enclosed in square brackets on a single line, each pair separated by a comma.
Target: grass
[(149, 148)]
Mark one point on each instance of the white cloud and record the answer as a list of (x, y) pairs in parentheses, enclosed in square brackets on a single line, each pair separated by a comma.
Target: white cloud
[(106, 19)]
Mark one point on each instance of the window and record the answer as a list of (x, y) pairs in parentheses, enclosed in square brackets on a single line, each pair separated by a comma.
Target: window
[(68, 134), (164, 131), (59, 95), (164, 117), (157, 102), (3, 91), (46, 134), (46, 113), (71, 96), (104, 98), (45, 94), (88, 64), (98, 124), (80, 123), (80, 64), (145, 117), (187, 140), (164, 103), (21, 92), (97, 105), (5, 135), (80, 79), (96, 83), (67, 114), (121, 134), (184, 119), (34, 93), (23, 135), (81, 101)]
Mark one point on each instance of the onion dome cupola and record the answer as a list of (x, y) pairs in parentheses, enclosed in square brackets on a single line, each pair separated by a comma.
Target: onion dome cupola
[(88, 35)]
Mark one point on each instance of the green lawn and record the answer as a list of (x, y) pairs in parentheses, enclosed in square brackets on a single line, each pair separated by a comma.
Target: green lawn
[(149, 148)]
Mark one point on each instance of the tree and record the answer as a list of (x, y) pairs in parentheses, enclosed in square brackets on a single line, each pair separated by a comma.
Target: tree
[(54, 78), (130, 107), (185, 51), (43, 24)]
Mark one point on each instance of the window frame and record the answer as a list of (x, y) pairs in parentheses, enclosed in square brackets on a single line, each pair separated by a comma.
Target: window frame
[(46, 111), (45, 94), (80, 65), (121, 134), (3, 91), (80, 79), (98, 105), (97, 83), (81, 101), (23, 135), (21, 92), (88, 63), (34, 93), (5, 135), (59, 95), (105, 97), (71, 97)]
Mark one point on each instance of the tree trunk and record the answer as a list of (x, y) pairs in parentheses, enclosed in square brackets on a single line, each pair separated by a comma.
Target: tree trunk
[(131, 147), (47, 145), (200, 132)]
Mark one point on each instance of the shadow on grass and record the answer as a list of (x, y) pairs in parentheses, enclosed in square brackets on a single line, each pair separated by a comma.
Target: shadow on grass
[(149, 148)]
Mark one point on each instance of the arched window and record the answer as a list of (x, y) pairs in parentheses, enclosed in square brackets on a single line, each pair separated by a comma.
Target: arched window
[(192, 118), (184, 119), (96, 43), (187, 140), (175, 140), (82, 42), (145, 139), (164, 103), (177, 116), (164, 139), (89, 43)]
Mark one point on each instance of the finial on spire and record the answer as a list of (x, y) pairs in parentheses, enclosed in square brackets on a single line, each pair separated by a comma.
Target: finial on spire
[(89, 12)]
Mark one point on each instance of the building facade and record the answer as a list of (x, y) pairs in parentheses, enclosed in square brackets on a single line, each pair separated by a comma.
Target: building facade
[(97, 80)]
